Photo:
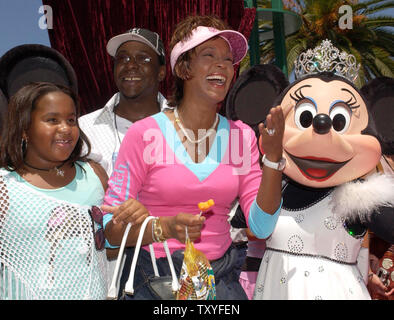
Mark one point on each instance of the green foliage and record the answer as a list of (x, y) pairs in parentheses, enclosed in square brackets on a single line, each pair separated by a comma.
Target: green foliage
[(370, 40)]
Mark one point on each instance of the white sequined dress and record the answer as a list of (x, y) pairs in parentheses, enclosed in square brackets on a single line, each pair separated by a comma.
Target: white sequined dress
[(311, 256)]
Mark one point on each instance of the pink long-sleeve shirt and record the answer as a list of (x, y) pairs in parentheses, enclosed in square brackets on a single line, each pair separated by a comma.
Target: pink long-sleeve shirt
[(154, 168)]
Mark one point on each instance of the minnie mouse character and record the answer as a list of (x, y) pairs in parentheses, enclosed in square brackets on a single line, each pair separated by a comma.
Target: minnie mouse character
[(330, 199)]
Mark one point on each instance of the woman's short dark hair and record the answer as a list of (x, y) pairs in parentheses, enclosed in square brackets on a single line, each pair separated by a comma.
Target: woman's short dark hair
[(18, 120)]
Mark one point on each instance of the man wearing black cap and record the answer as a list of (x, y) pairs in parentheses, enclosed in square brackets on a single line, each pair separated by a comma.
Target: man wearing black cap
[(139, 66)]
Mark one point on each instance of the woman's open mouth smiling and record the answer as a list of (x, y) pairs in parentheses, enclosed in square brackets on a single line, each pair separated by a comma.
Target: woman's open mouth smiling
[(217, 79), (318, 169)]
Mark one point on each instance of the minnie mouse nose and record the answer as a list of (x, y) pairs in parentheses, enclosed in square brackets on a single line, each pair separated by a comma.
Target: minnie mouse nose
[(322, 123)]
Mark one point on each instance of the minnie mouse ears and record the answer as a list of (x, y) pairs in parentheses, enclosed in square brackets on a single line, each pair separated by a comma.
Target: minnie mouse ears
[(379, 94), (32, 63), (254, 93)]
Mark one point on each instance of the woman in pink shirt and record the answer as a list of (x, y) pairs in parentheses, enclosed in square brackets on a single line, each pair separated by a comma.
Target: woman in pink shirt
[(175, 159)]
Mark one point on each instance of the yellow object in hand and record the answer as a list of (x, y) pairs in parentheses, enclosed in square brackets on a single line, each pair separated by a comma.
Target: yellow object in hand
[(204, 206), (196, 279)]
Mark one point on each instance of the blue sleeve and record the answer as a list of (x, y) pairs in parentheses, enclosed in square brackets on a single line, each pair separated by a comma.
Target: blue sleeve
[(107, 218), (261, 223)]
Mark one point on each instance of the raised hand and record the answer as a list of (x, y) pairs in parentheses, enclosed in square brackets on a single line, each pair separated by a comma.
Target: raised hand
[(271, 134)]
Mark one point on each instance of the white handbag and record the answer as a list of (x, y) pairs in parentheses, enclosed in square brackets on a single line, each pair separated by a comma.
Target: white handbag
[(165, 287)]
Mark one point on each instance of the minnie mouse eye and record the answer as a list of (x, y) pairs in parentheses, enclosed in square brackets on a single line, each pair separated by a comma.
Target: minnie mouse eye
[(340, 117), (304, 114)]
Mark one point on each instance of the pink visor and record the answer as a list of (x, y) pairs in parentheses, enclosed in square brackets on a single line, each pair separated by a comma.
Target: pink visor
[(236, 41)]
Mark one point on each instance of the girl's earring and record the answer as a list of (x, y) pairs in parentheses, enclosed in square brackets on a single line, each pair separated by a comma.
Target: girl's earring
[(23, 146)]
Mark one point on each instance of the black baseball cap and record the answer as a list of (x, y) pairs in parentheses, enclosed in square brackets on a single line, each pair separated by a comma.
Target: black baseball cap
[(145, 36)]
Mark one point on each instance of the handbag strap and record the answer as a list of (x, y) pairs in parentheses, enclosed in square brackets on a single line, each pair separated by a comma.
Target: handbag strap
[(129, 287), (153, 258), (113, 291)]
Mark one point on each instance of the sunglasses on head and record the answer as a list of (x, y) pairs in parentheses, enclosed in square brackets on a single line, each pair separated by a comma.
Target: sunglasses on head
[(97, 216)]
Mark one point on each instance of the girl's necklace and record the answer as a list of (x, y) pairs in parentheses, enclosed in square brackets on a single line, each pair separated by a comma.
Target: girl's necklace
[(208, 133), (57, 169)]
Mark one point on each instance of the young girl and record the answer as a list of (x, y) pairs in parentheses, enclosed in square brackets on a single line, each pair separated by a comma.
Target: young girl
[(51, 244)]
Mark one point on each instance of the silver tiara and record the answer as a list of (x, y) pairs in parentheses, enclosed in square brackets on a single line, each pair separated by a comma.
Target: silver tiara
[(326, 57)]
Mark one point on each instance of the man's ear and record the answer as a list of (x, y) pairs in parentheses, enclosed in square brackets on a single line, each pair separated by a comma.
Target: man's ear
[(162, 73)]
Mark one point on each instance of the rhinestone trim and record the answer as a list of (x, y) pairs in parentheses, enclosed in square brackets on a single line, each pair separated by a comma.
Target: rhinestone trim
[(312, 256), (341, 251), (326, 57), (295, 244), (309, 205), (330, 223)]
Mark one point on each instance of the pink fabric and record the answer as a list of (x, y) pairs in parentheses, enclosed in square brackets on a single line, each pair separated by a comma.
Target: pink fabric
[(247, 279), (167, 188), (237, 42)]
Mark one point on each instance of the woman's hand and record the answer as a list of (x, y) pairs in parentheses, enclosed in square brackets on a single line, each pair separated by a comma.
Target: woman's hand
[(175, 227), (271, 142), (272, 134), (131, 211)]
